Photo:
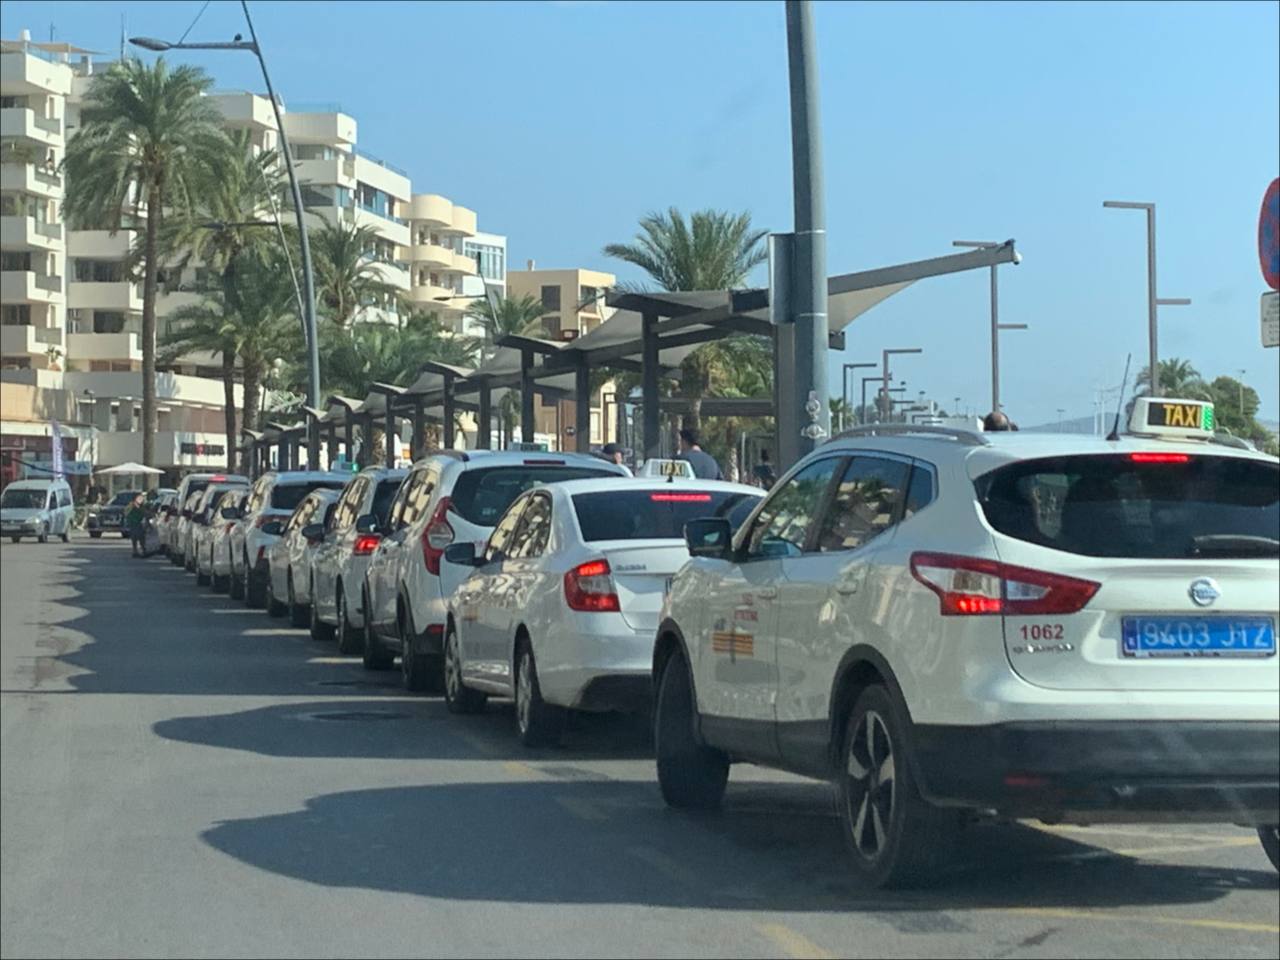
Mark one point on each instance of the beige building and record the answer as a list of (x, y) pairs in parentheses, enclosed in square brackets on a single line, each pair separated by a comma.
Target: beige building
[(574, 301)]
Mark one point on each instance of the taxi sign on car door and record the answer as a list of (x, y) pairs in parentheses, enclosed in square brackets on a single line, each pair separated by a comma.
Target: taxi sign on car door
[(1170, 417)]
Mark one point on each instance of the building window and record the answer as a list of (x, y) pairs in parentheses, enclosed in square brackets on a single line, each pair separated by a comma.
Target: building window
[(551, 325), (551, 298), (15, 260), (108, 321), (98, 271), (15, 315)]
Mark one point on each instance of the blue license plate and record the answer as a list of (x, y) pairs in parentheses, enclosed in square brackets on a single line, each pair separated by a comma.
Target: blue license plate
[(1221, 636)]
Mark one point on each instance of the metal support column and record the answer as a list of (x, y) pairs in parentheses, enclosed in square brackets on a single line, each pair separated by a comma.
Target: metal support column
[(484, 417), (649, 385), (526, 395), (449, 429), (582, 406), (351, 438), (389, 437), (419, 428), (331, 444)]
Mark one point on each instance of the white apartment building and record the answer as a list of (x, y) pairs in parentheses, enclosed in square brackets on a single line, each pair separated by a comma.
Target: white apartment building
[(70, 319)]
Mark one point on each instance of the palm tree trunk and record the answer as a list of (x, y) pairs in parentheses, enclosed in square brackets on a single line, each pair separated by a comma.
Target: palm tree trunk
[(252, 366), (229, 405), (150, 418)]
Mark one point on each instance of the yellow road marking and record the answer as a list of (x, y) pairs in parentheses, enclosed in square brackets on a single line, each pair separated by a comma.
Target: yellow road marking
[(522, 770), (1188, 848), (1203, 923), (1113, 831), (330, 660), (582, 809), (793, 944)]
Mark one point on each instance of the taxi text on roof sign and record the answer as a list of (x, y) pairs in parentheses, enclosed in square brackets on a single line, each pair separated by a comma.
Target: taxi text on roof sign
[(656, 467), (1164, 416)]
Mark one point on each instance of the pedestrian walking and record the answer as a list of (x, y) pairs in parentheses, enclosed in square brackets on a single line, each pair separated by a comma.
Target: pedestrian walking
[(135, 518), (704, 464), (763, 472)]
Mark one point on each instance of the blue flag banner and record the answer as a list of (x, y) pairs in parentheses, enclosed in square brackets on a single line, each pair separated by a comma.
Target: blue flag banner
[(56, 435)]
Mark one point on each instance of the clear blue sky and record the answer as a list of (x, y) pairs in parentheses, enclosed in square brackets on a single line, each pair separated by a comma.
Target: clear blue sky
[(561, 123)]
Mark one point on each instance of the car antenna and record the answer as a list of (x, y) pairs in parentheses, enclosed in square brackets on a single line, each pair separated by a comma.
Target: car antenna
[(1124, 382)]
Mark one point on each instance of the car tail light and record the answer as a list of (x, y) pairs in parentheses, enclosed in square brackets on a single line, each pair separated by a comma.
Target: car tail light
[(230, 524), (969, 586), (260, 552), (680, 497), (589, 586), (366, 543), (544, 463), (1159, 457), (437, 536)]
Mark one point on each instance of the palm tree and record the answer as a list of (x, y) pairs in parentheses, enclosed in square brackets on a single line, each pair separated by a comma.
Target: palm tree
[(147, 137), (348, 276), (508, 315), (249, 321), (715, 250), (1178, 378)]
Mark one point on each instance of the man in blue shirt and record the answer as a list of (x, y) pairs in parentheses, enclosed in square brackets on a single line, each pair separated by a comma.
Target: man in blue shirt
[(704, 465)]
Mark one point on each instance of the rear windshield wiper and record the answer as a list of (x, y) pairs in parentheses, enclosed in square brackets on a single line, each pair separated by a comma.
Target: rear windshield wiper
[(1234, 545)]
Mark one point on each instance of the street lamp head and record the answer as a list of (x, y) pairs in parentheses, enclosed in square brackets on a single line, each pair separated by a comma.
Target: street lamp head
[(1017, 258), (150, 43)]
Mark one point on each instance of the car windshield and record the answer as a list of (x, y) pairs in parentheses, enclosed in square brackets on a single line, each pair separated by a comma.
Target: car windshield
[(1161, 506), (123, 498), (660, 513), (382, 498), (482, 496), (288, 496), (23, 499)]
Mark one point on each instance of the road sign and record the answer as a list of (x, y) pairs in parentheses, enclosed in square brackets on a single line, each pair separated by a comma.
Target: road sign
[(1269, 235), (1271, 319)]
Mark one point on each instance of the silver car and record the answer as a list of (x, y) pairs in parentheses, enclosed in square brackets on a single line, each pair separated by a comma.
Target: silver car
[(289, 558)]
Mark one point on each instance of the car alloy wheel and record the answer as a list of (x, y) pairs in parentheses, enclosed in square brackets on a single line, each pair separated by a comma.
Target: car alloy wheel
[(452, 668), (872, 785), (524, 693)]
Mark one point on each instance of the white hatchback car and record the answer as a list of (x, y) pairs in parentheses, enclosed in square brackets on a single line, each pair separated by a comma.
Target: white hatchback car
[(1049, 626), (562, 606), (271, 501), (206, 522), (289, 558), (447, 497), (175, 531), (220, 538), (340, 561)]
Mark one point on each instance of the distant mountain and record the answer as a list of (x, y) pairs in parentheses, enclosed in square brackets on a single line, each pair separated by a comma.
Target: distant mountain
[(1077, 425)]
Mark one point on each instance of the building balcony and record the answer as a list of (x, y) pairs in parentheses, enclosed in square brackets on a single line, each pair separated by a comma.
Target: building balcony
[(335, 170), (28, 340), (122, 346), (27, 286), (118, 295), (100, 244), (168, 303), (23, 122), (432, 255), (327, 128), (22, 73), (243, 109), (28, 178), (432, 296), (432, 210), (394, 231), (25, 233)]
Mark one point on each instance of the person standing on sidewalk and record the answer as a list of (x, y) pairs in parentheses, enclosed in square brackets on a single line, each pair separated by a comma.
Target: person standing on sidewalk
[(135, 522), (704, 464)]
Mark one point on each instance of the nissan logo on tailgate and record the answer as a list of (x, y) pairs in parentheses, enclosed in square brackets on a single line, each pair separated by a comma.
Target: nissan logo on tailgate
[(1204, 591)]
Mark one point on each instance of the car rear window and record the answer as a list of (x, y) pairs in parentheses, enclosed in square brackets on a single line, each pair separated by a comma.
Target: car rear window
[(1150, 506), (382, 498), (482, 496), (195, 486), (657, 513), (287, 496)]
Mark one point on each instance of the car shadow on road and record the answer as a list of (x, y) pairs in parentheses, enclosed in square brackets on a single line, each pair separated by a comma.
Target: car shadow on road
[(395, 725), (774, 846)]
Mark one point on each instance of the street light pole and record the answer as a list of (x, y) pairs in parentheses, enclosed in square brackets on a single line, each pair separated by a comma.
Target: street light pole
[(996, 325), (1152, 300), (308, 280), (844, 385), (808, 288), (884, 375)]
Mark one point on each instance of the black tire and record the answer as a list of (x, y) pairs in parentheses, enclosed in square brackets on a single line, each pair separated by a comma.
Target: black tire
[(94, 534), (220, 584), (15, 539), (321, 631), (235, 586), (458, 698), (373, 656), (274, 607), (1270, 837), (66, 536), (255, 590), (895, 838), (202, 579), (299, 614), (43, 535), (538, 723), (692, 776), (420, 673), (350, 640), (174, 558)]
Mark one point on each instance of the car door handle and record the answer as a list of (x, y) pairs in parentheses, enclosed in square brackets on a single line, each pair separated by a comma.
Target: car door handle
[(767, 593), (847, 587)]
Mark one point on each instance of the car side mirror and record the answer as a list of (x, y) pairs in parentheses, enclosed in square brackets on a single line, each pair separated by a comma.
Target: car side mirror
[(186, 514), (273, 528), (313, 532), (367, 524), (230, 513), (711, 537), (462, 554)]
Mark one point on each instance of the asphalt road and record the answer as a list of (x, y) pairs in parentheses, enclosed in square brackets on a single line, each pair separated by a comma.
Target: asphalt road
[(182, 777)]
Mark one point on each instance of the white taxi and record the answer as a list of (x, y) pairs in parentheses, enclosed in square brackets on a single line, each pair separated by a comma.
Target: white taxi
[(562, 604), (1069, 628)]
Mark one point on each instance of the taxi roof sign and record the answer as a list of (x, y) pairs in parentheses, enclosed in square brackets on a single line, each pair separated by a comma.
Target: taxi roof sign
[(1169, 417), (657, 467)]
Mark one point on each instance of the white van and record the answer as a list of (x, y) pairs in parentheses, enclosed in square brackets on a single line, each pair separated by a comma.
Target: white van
[(36, 508)]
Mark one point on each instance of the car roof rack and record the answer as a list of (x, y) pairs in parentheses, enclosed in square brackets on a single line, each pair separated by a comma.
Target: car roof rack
[(971, 438)]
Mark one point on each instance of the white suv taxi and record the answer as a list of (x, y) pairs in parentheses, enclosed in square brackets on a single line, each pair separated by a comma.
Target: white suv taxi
[(944, 622)]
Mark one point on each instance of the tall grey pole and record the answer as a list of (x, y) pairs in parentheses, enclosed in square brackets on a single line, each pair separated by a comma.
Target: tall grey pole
[(809, 286), (995, 344), (308, 281), (1152, 340)]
